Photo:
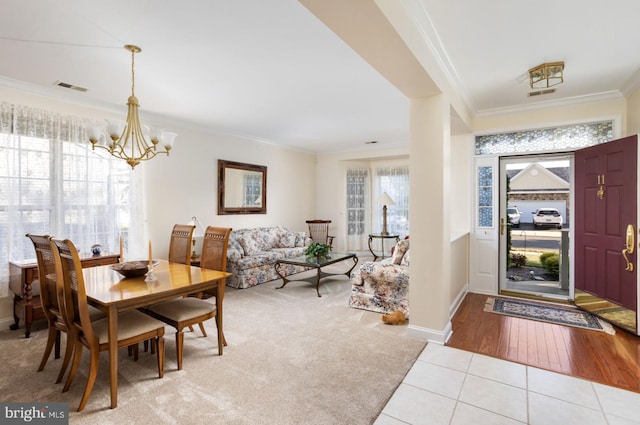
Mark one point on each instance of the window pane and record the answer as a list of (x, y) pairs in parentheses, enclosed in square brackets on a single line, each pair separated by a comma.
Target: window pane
[(485, 196), (546, 139), (357, 186)]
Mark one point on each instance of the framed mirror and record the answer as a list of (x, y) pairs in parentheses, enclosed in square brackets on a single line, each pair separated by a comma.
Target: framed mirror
[(242, 188)]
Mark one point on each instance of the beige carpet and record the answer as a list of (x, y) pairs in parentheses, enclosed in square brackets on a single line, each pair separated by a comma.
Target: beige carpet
[(292, 358)]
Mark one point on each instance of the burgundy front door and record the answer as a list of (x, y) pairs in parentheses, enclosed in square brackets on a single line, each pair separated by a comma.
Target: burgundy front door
[(605, 203)]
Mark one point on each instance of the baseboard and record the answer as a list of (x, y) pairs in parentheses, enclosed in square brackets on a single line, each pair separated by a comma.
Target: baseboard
[(430, 335), (458, 300), (483, 292)]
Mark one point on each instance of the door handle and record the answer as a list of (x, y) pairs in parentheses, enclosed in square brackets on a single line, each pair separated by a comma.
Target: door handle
[(502, 226), (600, 191), (629, 246)]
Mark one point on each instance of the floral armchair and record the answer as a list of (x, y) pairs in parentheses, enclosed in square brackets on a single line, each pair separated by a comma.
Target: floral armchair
[(383, 286)]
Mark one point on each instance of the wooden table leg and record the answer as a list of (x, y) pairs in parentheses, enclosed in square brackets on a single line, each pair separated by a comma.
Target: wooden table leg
[(112, 317), (219, 296)]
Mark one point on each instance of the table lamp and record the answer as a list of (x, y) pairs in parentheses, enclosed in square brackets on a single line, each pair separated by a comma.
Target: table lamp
[(198, 232), (385, 200)]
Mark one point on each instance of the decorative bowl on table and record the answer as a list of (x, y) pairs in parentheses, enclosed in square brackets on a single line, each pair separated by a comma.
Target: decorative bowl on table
[(131, 268)]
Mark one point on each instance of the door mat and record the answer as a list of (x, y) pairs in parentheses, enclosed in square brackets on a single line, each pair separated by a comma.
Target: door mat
[(548, 313)]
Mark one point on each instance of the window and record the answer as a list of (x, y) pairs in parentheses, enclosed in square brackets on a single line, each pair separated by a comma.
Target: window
[(568, 137), (485, 196), (395, 182), (51, 182), (364, 215), (357, 200)]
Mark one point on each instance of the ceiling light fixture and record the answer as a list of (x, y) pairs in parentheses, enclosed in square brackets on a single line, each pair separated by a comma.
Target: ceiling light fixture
[(127, 140), (546, 75)]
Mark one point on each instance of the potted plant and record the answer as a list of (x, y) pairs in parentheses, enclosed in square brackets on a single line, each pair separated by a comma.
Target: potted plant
[(318, 250)]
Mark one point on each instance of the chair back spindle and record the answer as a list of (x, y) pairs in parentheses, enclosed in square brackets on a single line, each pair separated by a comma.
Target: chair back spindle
[(319, 231), (214, 248), (180, 244)]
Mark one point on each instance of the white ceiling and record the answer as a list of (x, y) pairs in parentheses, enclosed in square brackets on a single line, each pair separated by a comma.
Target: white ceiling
[(270, 70)]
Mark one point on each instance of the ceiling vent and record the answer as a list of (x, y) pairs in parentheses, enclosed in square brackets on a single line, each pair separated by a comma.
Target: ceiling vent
[(70, 86), (541, 92)]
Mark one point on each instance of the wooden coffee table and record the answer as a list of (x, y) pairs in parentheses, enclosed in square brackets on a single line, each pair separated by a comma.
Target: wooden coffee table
[(315, 263)]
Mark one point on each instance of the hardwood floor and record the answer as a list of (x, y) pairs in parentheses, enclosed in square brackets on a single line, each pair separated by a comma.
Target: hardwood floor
[(607, 359)]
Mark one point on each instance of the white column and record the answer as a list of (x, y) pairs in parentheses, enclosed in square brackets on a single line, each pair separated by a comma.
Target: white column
[(430, 211)]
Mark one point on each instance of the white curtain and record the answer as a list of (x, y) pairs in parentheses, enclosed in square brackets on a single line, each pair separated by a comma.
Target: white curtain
[(394, 180), (358, 207), (51, 182)]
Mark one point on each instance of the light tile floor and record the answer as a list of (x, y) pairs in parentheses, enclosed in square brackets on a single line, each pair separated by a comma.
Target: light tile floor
[(455, 387)]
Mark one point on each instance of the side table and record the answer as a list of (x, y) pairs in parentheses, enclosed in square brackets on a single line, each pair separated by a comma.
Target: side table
[(382, 237), (21, 276)]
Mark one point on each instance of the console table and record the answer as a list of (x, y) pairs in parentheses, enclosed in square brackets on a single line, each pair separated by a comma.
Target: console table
[(382, 237), (23, 273)]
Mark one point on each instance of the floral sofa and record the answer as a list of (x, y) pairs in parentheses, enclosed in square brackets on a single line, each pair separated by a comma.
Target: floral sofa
[(383, 286), (252, 253)]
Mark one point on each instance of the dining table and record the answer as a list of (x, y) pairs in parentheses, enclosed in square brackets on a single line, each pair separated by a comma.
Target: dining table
[(112, 293)]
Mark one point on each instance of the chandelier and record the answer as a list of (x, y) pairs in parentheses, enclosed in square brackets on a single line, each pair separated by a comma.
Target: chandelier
[(126, 140), (546, 75)]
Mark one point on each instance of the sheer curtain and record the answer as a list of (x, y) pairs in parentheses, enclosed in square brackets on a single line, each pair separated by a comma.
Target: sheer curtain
[(394, 180), (358, 207), (51, 182)]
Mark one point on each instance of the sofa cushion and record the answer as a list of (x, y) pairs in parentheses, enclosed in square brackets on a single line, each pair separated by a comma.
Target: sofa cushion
[(301, 239), (250, 245), (270, 237), (399, 251), (286, 240), (406, 258), (234, 245), (290, 252), (259, 259), (234, 254)]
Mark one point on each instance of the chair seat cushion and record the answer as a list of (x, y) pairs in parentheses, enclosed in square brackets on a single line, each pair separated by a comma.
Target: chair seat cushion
[(95, 313), (181, 309), (130, 324)]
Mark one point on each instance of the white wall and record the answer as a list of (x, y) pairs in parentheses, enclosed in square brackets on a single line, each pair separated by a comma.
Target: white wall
[(331, 184), (461, 166), (554, 116), (633, 112), (185, 185)]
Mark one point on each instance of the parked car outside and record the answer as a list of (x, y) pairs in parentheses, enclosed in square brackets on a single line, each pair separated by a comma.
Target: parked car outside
[(547, 217), (514, 216)]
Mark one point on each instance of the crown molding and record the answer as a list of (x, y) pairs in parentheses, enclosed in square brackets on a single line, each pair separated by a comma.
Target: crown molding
[(557, 103), (632, 84), (420, 17)]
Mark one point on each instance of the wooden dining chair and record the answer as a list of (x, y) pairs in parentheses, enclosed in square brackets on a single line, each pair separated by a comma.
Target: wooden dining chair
[(49, 300), (179, 252), (133, 326), (319, 231), (180, 243), (185, 312), (214, 256)]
